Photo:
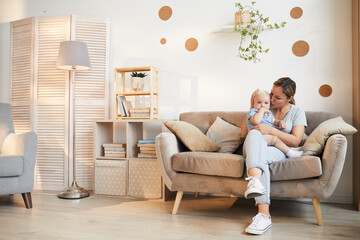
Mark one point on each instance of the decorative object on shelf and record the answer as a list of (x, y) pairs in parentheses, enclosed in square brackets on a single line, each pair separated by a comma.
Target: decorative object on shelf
[(242, 18), (137, 81), (250, 31), (114, 150), (128, 97), (73, 55)]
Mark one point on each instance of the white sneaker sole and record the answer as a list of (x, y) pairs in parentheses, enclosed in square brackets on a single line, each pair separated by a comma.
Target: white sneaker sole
[(253, 193), (257, 231)]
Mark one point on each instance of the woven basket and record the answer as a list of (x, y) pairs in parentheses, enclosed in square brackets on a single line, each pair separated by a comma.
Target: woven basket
[(242, 18)]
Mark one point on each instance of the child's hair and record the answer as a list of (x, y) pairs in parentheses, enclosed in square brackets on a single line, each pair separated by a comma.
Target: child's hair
[(261, 91)]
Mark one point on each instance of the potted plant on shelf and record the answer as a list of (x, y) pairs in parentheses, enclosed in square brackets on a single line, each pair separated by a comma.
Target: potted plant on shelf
[(137, 81), (249, 23)]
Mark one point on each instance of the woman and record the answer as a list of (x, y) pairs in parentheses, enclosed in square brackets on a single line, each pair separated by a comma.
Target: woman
[(258, 155)]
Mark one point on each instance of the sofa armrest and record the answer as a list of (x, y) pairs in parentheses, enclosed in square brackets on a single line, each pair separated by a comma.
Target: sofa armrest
[(332, 163), (167, 145)]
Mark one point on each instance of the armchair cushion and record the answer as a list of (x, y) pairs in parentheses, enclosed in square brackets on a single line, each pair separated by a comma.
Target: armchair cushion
[(209, 163), (225, 134), (314, 144), (11, 166), (296, 168), (191, 136)]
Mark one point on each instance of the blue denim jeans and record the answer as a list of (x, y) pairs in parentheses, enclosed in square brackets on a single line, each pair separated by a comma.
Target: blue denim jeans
[(259, 155)]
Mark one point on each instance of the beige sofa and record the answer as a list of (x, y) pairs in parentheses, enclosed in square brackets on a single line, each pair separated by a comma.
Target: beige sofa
[(312, 177)]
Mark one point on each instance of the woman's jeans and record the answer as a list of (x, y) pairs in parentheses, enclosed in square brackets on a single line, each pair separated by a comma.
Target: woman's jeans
[(259, 155)]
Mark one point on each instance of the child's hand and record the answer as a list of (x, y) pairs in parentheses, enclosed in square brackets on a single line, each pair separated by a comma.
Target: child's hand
[(282, 124), (265, 111)]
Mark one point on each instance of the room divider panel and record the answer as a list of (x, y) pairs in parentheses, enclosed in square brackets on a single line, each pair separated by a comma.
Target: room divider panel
[(40, 94)]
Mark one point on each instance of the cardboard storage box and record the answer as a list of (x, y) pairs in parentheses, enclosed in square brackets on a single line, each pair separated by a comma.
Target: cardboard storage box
[(111, 177), (144, 178)]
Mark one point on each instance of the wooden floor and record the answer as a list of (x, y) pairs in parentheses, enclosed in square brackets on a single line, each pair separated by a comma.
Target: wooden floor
[(100, 217)]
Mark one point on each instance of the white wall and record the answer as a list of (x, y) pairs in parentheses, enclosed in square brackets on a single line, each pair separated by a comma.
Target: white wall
[(213, 77)]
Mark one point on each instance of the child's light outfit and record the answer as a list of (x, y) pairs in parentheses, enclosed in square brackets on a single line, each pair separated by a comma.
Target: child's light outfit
[(266, 120)]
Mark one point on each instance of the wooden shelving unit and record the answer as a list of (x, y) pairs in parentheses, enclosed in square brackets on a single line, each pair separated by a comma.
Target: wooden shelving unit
[(129, 176), (121, 88)]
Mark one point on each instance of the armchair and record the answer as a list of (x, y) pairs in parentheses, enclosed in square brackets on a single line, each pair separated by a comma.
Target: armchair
[(17, 158)]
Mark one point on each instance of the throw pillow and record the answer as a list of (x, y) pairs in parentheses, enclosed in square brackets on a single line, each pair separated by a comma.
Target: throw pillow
[(191, 136), (315, 143), (225, 134)]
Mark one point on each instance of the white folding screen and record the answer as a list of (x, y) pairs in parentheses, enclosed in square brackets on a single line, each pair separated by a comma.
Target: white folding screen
[(22, 72), (40, 94)]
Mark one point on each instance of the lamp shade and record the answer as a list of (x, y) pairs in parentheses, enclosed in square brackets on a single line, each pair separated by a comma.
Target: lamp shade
[(73, 55)]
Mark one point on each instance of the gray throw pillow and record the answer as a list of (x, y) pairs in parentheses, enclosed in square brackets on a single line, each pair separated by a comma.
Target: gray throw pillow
[(225, 134)]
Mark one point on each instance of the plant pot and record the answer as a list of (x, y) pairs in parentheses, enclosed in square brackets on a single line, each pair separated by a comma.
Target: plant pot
[(242, 18), (137, 84)]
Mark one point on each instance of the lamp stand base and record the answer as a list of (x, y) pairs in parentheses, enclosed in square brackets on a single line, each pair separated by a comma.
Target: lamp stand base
[(74, 192)]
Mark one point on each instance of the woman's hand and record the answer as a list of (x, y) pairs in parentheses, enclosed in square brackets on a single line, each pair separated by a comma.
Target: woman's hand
[(264, 129)]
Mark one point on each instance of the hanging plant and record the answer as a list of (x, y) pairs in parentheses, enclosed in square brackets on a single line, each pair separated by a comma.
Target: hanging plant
[(249, 23)]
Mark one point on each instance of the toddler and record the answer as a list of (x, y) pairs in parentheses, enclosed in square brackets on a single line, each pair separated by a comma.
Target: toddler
[(261, 114)]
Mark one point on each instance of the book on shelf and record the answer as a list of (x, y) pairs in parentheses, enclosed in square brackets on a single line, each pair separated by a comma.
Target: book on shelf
[(139, 110), (127, 106), (146, 141), (142, 155), (114, 145), (148, 145), (115, 155), (147, 148), (153, 152), (121, 109), (118, 149)]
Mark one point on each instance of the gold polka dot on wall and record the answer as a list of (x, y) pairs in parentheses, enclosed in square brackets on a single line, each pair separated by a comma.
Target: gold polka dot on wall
[(300, 48), (163, 41), (296, 12), (325, 90), (165, 13), (191, 44)]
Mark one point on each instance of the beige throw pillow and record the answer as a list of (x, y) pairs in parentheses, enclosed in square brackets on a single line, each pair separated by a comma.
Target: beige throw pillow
[(225, 134), (314, 144), (191, 136)]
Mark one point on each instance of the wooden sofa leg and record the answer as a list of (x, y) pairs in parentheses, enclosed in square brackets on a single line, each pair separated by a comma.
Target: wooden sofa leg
[(317, 208), (177, 201), (196, 195), (27, 199)]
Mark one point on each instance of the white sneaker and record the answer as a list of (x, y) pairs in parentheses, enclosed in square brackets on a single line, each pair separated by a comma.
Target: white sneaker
[(254, 188), (261, 222), (293, 153)]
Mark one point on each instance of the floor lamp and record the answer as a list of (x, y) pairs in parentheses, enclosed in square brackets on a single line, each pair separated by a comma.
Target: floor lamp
[(73, 56)]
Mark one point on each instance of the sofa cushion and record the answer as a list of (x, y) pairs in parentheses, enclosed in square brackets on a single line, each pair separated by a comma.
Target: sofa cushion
[(191, 136), (225, 134), (11, 166), (315, 143), (296, 168), (209, 163)]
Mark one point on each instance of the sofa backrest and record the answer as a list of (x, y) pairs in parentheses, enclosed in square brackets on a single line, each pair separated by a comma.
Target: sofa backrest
[(6, 122), (203, 120)]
